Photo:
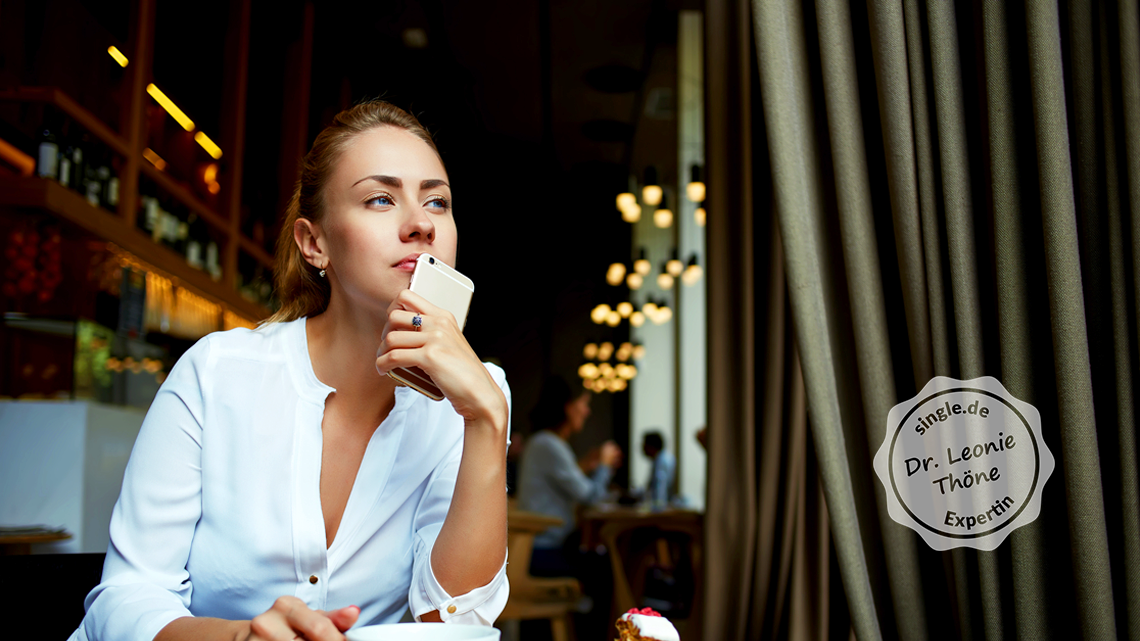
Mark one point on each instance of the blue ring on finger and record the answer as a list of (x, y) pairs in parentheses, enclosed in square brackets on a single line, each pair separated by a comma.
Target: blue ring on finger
[(417, 322)]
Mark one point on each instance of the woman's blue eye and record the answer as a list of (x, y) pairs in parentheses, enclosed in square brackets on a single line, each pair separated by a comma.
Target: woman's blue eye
[(439, 203), (383, 201)]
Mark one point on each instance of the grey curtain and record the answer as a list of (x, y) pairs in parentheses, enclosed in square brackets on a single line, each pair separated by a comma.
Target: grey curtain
[(899, 190)]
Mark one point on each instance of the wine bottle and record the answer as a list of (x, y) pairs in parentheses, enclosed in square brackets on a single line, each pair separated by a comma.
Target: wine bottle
[(78, 167), (111, 194), (66, 165), (92, 186), (194, 243), (103, 175), (47, 161), (182, 237), (212, 266)]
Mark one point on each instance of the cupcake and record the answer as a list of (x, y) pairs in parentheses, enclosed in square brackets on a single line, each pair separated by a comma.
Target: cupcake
[(645, 625)]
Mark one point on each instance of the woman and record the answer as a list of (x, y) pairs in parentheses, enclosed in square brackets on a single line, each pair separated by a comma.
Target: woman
[(282, 486), (552, 482)]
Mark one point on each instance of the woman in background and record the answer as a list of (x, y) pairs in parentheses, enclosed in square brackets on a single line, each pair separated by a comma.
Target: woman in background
[(282, 486), (553, 482)]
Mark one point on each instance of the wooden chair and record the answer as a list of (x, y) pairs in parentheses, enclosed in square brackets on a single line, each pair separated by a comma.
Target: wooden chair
[(629, 569), (536, 597)]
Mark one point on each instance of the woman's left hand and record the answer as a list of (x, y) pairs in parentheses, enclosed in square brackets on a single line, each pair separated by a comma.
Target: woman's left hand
[(439, 348)]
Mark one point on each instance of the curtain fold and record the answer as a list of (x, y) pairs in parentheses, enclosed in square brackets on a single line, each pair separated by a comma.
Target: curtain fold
[(1079, 449), (899, 190), (786, 99), (861, 258)]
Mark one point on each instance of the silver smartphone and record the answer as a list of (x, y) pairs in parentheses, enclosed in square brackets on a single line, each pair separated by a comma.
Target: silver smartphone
[(443, 287)]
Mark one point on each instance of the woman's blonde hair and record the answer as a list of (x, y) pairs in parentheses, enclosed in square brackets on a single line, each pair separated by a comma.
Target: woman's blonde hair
[(300, 289)]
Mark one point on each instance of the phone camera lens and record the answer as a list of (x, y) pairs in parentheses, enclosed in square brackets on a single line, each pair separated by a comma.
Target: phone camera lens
[(431, 260)]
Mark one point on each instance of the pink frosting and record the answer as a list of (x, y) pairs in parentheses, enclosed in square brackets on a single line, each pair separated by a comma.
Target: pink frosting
[(653, 627)]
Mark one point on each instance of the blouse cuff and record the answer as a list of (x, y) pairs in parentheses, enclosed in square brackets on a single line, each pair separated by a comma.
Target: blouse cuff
[(480, 606)]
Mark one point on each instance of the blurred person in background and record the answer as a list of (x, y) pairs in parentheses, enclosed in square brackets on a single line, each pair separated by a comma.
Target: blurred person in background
[(553, 482), (663, 473)]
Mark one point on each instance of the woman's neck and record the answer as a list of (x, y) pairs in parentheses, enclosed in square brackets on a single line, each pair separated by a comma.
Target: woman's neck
[(342, 348)]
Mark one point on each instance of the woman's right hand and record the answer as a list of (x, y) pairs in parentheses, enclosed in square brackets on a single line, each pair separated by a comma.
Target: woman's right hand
[(290, 618)]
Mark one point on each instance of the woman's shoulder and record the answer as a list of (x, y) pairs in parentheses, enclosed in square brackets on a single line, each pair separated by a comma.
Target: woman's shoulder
[(268, 340)]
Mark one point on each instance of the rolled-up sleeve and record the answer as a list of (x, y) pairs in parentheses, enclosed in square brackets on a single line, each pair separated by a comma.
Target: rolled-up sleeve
[(145, 584), (480, 606)]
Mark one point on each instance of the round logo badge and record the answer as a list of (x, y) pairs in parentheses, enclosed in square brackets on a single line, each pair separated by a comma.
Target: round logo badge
[(963, 463)]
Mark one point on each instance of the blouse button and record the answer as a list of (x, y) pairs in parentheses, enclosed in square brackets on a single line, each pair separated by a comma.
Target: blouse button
[(313, 579), (451, 609)]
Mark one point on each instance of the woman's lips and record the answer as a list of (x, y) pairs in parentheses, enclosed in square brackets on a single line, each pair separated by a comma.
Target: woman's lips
[(408, 264)]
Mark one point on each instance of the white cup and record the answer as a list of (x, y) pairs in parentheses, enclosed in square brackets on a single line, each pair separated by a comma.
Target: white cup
[(423, 632)]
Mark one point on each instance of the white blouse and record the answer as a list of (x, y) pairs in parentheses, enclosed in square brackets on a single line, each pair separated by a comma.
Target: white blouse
[(220, 511)]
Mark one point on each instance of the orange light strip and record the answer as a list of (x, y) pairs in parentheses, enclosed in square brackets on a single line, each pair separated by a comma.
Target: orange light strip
[(202, 139), (118, 55), (154, 159), (170, 107), (18, 159)]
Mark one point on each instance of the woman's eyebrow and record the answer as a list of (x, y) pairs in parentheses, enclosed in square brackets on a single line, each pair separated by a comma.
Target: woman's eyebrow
[(391, 181), (396, 183)]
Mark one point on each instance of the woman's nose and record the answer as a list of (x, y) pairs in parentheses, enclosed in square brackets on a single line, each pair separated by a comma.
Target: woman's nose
[(418, 227)]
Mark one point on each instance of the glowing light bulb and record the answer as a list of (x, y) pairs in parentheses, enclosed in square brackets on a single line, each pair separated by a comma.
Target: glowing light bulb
[(599, 313), (625, 308), (590, 351), (699, 216), (613, 319), (605, 350), (588, 371), (695, 191), (642, 266), (665, 280), (651, 194), (663, 218), (638, 352), (631, 214), (637, 319), (626, 201), (624, 352), (674, 267), (634, 280), (615, 274)]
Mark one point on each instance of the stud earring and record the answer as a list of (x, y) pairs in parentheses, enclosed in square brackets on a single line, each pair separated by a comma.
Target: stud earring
[(322, 273)]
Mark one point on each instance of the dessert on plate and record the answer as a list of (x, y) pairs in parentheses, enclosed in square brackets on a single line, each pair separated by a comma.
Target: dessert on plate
[(645, 625)]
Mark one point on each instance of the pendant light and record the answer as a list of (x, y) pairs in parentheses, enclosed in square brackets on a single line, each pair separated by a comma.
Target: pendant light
[(695, 190), (651, 192), (663, 217)]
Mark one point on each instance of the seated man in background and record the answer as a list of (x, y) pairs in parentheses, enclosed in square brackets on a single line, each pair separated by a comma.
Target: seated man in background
[(659, 490)]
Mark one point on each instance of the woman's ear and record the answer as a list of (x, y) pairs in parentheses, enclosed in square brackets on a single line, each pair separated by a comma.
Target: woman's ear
[(307, 235)]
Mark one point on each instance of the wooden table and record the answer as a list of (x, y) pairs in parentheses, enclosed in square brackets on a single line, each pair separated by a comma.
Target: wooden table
[(613, 526), (22, 543)]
